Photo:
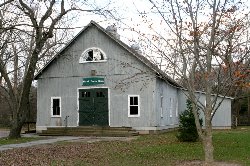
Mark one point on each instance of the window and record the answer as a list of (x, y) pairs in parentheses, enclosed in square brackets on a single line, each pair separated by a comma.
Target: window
[(177, 108), (85, 94), (171, 108), (56, 106), (133, 106), (100, 94), (92, 55), (161, 106)]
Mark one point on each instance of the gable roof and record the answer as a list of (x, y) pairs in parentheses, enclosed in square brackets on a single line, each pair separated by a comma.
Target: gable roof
[(140, 57)]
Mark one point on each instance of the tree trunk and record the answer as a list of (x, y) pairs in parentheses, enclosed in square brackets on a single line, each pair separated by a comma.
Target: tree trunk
[(248, 103), (15, 131), (19, 119), (208, 142), (208, 149)]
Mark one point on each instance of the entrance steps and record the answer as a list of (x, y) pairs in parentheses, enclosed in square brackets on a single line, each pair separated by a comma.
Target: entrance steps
[(90, 131)]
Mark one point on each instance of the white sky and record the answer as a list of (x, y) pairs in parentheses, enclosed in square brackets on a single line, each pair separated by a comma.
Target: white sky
[(128, 12)]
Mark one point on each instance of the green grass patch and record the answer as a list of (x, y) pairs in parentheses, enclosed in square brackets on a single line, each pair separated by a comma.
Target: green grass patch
[(6, 140), (233, 145), (163, 149)]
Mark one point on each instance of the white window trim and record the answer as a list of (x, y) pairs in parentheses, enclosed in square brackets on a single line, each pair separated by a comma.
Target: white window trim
[(171, 108), (161, 106), (51, 106), (138, 115), (177, 108), (81, 59)]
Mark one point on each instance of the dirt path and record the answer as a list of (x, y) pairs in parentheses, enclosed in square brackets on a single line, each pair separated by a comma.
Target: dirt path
[(38, 142)]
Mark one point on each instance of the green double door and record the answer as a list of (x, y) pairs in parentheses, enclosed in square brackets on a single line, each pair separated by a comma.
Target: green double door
[(93, 107)]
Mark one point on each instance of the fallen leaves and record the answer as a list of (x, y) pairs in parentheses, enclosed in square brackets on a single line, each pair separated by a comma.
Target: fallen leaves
[(49, 155)]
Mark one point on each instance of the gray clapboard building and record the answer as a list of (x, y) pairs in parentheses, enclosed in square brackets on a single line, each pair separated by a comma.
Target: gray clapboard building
[(96, 79)]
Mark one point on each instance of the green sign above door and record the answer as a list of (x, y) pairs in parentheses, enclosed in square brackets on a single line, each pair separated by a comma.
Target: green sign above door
[(92, 81)]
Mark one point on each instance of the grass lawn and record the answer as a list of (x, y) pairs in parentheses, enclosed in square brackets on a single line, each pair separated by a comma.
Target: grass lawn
[(5, 141), (164, 149), (233, 145)]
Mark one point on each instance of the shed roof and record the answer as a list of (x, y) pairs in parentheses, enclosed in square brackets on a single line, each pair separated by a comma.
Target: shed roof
[(143, 59)]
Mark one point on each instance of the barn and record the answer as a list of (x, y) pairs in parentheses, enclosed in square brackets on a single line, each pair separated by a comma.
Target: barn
[(97, 80)]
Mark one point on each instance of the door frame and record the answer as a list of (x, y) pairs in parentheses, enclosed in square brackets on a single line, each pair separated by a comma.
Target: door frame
[(93, 87)]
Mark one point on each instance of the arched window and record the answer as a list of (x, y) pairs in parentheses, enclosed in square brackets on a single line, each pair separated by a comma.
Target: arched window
[(93, 55)]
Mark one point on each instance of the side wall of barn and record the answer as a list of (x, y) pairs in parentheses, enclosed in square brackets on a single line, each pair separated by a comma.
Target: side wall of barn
[(222, 117)]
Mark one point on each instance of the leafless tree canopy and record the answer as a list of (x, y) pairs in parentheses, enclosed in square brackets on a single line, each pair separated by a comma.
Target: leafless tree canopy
[(31, 31), (204, 44)]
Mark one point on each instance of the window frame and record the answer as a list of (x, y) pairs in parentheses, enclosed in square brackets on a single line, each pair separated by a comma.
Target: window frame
[(177, 108), (162, 99), (171, 107), (83, 58), (138, 97), (51, 106)]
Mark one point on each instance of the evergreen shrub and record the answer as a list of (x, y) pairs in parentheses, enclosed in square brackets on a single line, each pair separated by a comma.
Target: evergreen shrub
[(187, 131)]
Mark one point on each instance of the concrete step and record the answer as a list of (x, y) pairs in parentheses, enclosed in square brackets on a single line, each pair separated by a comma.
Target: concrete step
[(90, 128), (90, 131)]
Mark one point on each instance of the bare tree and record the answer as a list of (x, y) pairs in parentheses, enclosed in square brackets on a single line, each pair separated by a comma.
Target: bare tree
[(27, 39), (199, 39)]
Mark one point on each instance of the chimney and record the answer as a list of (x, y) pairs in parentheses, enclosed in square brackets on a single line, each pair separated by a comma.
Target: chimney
[(136, 47), (113, 30)]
